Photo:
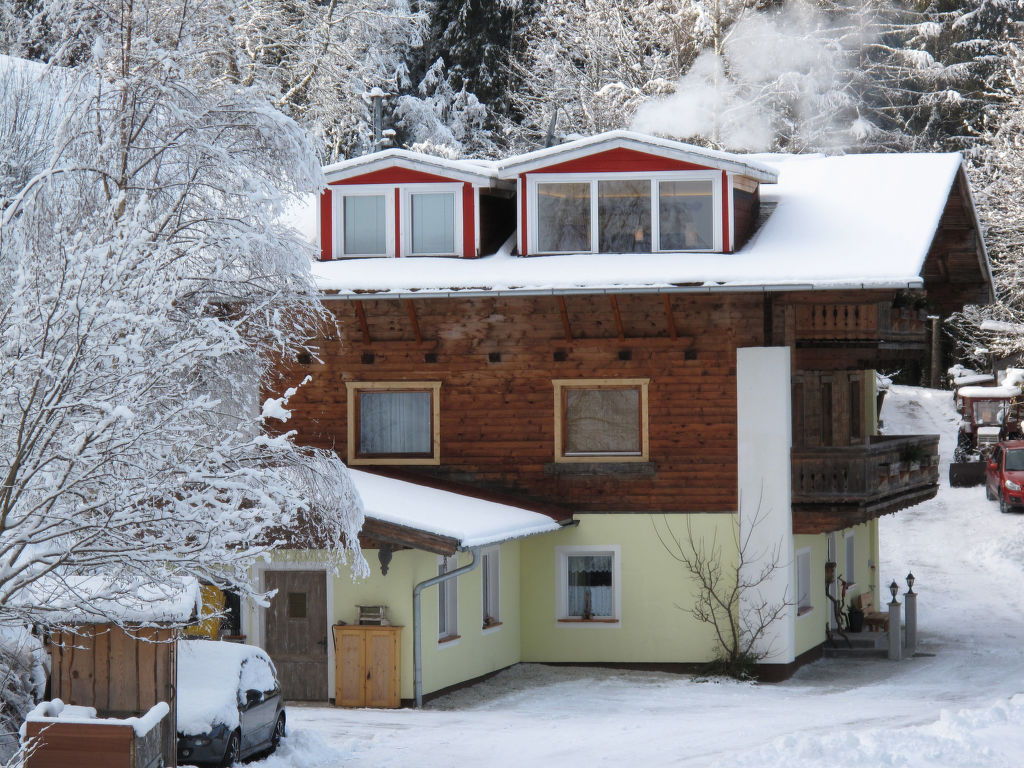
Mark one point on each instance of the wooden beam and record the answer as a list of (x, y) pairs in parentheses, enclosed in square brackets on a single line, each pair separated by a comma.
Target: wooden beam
[(361, 314), (670, 319), (651, 342), (565, 318), (411, 309), (618, 316), (392, 533)]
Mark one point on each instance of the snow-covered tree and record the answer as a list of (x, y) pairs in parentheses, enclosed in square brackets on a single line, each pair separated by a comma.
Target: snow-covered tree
[(146, 291)]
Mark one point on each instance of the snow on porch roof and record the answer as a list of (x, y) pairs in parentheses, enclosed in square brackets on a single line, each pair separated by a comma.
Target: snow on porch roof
[(471, 522), (855, 221)]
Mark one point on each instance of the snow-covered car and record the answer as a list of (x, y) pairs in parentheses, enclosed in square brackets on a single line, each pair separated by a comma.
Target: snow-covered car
[(229, 702)]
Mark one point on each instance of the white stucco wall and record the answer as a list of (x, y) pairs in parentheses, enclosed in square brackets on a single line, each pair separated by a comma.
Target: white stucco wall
[(764, 438)]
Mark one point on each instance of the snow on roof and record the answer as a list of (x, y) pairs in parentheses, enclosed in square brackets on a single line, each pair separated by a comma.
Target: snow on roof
[(475, 171), (642, 142), (972, 378), (989, 392), (210, 677), (92, 599), (472, 522), (856, 221)]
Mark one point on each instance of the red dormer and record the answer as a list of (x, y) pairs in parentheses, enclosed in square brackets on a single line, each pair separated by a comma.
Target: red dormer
[(398, 203), (623, 192)]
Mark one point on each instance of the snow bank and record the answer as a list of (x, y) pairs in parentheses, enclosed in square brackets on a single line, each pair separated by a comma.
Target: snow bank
[(473, 522), (210, 675), (57, 711)]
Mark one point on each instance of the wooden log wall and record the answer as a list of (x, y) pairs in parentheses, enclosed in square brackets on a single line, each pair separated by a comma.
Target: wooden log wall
[(496, 358)]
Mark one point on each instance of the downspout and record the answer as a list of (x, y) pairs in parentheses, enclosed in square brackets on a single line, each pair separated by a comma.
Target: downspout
[(417, 641)]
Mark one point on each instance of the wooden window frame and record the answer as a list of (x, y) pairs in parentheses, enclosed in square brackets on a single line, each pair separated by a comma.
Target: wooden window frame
[(654, 177), (490, 588), (563, 385), (562, 555), (802, 562), (450, 588), (356, 388)]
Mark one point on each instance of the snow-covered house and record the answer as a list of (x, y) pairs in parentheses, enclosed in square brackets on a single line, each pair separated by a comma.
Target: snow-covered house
[(673, 345)]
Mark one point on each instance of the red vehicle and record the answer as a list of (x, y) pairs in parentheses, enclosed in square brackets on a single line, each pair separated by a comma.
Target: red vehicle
[(1004, 475)]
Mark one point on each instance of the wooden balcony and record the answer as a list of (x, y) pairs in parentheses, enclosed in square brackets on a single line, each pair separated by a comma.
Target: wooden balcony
[(838, 487), (873, 324)]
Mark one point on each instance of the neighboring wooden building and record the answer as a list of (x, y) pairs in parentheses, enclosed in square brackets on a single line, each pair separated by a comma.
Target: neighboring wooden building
[(689, 344)]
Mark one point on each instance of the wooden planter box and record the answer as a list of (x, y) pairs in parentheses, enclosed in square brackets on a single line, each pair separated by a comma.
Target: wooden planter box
[(99, 744)]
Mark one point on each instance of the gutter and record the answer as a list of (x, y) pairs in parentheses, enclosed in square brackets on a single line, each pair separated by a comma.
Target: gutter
[(478, 294), (417, 640)]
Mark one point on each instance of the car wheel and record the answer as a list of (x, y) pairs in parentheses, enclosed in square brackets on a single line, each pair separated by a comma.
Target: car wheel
[(275, 740), (234, 751)]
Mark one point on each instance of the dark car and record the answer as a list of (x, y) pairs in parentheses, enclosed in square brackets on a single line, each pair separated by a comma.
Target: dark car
[(1004, 474), (229, 702)]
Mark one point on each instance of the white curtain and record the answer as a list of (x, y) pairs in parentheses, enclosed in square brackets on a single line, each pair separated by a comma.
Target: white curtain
[(563, 217), (365, 223), (433, 223), (590, 574), (394, 422)]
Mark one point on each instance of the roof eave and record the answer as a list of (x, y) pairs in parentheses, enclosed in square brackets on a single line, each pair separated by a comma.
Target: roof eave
[(395, 158)]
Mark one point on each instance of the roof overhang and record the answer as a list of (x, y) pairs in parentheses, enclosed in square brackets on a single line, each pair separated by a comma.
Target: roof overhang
[(653, 145), (480, 175)]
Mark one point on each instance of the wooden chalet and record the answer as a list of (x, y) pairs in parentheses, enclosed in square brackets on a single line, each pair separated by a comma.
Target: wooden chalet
[(670, 336)]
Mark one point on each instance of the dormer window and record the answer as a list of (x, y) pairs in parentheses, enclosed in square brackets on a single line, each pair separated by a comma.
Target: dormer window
[(616, 212)]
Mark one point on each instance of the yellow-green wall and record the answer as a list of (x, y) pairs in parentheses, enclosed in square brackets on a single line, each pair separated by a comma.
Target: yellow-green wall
[(653, 628), (810, 627)]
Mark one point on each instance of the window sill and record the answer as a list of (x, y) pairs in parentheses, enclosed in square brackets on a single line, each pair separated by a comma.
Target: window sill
[(623, 466), (804, 611), (488, 628), (448, 639), (589, 621)]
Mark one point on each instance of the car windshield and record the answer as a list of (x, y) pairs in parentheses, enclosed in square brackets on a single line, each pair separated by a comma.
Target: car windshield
[(1014, 460)]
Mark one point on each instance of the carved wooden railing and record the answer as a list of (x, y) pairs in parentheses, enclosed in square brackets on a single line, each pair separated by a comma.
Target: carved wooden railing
[(885, 469), (880, 322)]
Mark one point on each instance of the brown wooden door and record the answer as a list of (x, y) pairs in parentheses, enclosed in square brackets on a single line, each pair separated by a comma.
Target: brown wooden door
[(296, 632), (350, 670), (382, 667)]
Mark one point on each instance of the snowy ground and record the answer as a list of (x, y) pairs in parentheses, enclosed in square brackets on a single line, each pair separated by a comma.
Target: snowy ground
[(962, 704)]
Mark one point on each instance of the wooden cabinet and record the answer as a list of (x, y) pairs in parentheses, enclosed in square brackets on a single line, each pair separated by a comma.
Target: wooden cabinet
[(367, 666)]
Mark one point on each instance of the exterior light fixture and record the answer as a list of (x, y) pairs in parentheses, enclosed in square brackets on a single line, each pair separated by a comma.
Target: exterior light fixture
[(894, 588), (910, 583)]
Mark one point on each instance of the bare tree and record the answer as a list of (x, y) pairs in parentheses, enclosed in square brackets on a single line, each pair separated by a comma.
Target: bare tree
[(727, 578)]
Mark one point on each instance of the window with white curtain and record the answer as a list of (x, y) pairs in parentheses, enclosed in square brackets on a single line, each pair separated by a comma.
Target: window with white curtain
[(803, 581), (851, 559), (433, 223), (447, 599), (490, 577), (365, 225), (393, 422), (588, 583)]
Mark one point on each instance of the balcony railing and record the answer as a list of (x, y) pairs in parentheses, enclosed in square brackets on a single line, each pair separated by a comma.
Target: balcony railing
[(860, 323), (835, 487)]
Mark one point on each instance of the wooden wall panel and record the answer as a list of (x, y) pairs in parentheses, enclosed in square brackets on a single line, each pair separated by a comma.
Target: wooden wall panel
[(496, 358)]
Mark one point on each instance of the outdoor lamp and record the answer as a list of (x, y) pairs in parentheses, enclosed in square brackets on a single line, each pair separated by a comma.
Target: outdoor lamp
[(894, 588), (910, 583)]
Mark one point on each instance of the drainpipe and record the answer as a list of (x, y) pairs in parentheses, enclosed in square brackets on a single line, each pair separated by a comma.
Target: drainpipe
[(417, 641)]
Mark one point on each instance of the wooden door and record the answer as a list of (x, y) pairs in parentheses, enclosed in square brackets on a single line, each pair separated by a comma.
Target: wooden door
[(350, 668), (382, 667), (296, 632)]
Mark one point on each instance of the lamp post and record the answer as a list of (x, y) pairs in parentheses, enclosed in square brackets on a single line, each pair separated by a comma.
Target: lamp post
[(895, 646), (911, 600)]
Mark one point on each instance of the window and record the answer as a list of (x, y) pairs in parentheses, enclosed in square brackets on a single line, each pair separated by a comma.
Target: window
[(855, 409), (588, 583), (429, 218), (432, 220), (851, 560), (364, 219), (601, 420), (624, 212), (803, 582), (393, 422), (490, 575), (447, 599)]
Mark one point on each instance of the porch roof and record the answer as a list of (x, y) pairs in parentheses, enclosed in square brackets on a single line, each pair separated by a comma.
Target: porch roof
[(410, 514)]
